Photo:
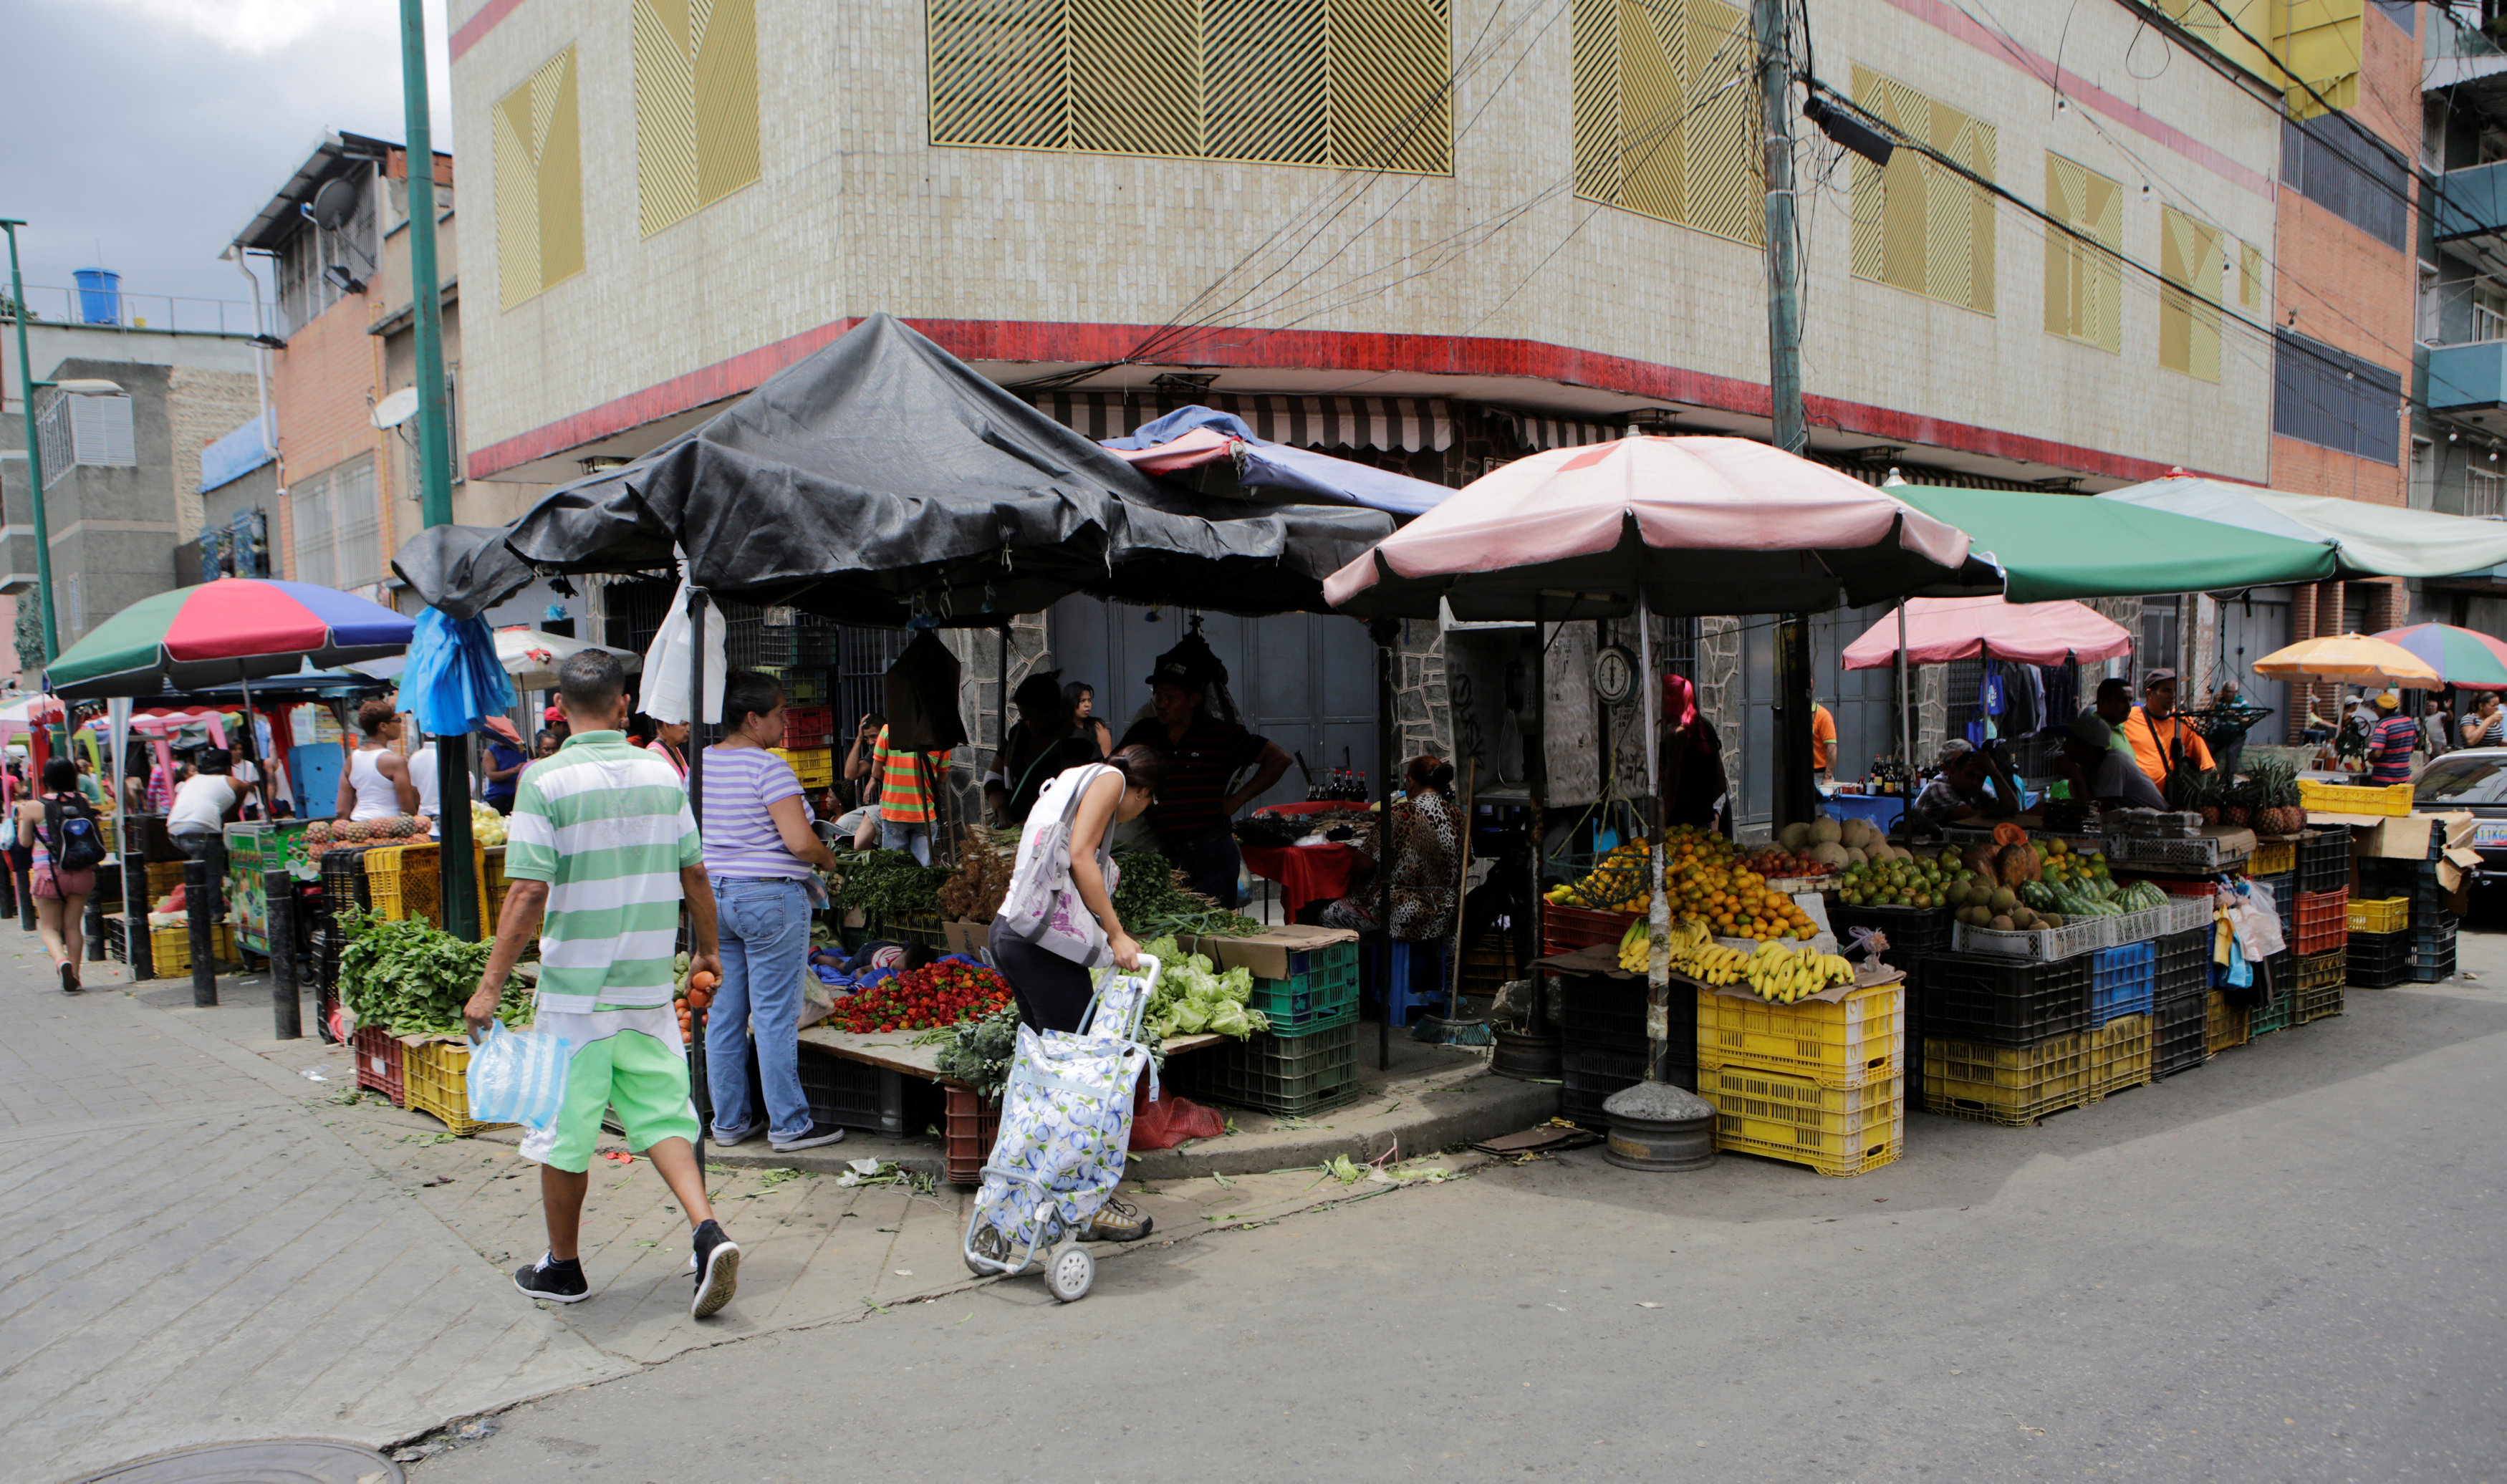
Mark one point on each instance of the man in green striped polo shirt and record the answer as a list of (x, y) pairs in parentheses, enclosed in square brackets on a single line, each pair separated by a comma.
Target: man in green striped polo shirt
[(603, 844)]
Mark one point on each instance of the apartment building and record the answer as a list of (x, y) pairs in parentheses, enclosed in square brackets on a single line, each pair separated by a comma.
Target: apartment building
[(1431, 234)]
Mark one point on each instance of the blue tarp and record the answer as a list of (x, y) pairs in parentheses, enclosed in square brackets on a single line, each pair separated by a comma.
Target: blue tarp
[(238, 454), (452, 680), (1265, 466)]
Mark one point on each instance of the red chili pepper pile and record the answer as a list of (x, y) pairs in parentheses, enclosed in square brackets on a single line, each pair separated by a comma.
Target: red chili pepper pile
[(939, 995)]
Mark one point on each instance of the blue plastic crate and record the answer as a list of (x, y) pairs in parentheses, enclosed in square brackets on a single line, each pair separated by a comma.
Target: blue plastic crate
[(2121, 981)]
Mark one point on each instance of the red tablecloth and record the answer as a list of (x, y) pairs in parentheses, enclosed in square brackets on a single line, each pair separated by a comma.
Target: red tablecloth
[(1306, 873)]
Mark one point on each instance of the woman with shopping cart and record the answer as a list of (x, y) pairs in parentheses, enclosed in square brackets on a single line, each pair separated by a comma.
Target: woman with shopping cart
[(1057, 921)]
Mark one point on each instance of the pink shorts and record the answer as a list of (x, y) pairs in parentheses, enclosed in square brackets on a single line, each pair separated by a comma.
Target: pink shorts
[(59, 885)]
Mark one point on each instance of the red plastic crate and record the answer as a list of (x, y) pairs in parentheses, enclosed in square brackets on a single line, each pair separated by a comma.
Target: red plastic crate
[(379, 1064), (808, 726), (2179, 885), (968, 1125), (1564, 929), (2323, 920)]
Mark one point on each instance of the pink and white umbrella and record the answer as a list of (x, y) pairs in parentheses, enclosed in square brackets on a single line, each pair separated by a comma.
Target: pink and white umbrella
[(1692, 526), (1940, 629)]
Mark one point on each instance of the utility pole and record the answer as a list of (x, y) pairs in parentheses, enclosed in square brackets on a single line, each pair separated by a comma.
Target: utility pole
[(434, 453), (34, 452), (1795, 795)]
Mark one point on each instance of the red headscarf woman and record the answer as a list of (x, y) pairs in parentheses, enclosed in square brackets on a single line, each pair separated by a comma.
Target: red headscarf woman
[(1692, 779)]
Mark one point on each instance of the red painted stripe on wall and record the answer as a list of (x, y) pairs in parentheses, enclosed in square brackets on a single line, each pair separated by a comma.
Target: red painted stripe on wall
[(1302, 349), (1943, 16), (466, 35)]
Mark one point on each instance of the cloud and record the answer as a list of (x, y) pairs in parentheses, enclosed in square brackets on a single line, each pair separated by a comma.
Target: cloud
[(164, 125)]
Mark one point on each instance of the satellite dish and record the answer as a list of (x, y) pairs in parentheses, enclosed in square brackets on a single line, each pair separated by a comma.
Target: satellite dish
[(334, 204), (396, 408)]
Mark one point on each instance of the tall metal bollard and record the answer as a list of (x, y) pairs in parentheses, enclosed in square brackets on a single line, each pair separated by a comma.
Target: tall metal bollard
[(286, 1012), (204, 962)]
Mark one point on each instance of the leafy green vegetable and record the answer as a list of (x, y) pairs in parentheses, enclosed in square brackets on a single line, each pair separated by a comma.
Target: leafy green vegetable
[(886, 884), (1153, 901), (978, 1052), (1190, 998), (413, 980)]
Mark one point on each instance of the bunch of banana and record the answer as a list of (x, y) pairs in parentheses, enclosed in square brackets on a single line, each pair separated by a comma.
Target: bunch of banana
[(1711, 962), (1636, 946), (1785, 975)]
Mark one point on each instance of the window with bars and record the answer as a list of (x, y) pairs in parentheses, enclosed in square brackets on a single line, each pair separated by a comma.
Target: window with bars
[(1666, 113), (1349, 83), (2084, 279), (696, 105), (2485, 494), (1919, 225), (97, 432), (338, 525), (537, 143), (2331, 398), (2189, 294)]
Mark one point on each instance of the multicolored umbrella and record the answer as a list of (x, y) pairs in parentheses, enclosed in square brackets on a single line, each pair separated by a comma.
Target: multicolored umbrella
[(231, 631), (2459, 656), (2349, 657)]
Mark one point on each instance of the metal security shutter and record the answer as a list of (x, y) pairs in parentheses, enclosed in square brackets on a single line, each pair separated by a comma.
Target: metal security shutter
[(1402, 424), (696, 105), (1666, 111), (538, 154), (2336, 400), (1917, 225)]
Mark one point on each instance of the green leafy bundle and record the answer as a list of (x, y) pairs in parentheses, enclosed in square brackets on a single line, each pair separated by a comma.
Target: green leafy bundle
[(1193, 997), (978, 1052), (886, 884), (413, 980), (1153, 902)]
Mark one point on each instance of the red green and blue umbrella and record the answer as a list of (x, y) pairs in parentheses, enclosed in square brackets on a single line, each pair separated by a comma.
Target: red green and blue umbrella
[(2459, 656), (225, 633)]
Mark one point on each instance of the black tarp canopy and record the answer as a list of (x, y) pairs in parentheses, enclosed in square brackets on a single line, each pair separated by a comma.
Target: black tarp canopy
[(882, 474)]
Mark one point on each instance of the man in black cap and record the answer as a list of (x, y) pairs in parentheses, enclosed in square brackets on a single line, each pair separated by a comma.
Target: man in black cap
[(1202, 754)]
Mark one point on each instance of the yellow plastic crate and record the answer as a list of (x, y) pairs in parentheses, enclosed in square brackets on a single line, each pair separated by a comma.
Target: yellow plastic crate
[(435, 1073), (2224, 1024), (169, 949), (2272, 857), (2393, 800), (2120, 1053), (1839, 1131), (2389, 914), (405, 881), (2011, 1085), (1853, 1042)]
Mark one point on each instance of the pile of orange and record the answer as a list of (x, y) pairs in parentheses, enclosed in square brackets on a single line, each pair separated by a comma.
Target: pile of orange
[(1704, 878)]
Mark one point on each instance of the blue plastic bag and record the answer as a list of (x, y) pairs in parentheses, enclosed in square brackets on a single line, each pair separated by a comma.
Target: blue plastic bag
[(452, 680), (517, 1078)]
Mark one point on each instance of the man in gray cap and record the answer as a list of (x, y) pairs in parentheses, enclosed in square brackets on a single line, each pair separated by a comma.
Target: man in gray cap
[(1204, 753), (2098, 771)]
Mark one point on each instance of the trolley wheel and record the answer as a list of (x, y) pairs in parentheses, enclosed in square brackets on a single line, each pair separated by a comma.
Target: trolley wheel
[(1070, 1272), (990, 1245)]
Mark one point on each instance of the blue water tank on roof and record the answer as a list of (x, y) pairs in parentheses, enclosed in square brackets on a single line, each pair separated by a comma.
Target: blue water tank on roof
[(100, 296)]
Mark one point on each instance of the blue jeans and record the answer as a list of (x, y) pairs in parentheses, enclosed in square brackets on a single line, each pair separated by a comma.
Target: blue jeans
[(907, 837), (765, 946)]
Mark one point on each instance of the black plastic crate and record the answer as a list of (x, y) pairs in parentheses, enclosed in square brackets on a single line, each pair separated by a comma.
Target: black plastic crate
[(1274, 1074), (2184, 963), (2005, 1001), (1914, 933), (2284, 890), (2323, 860), (1610, 1015), (2432, 951), (2178, 1037), (2380, 961)]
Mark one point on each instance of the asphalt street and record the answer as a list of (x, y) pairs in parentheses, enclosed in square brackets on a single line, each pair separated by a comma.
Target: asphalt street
[(2284, 1265)]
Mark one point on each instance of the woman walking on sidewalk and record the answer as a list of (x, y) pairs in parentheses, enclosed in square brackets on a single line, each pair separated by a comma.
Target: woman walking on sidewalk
[(60, 893), (1058, 920), (759, 849)]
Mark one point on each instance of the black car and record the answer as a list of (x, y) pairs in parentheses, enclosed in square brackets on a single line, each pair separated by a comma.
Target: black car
[(2474, 780)]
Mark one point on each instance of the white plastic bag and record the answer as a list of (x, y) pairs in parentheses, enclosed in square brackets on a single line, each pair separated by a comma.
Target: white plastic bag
[(661, 689), (517, 1078)]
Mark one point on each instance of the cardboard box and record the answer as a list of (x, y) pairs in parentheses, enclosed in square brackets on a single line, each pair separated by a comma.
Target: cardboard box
[(1271, 953), (2445, 838), (973, 939)]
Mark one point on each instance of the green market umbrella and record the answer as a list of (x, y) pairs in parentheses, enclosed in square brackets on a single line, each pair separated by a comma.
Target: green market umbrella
[(2051, 546)]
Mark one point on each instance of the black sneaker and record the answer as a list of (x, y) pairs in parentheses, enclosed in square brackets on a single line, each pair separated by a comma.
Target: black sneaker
[(560, 1282), (717, 1263), (820, 1133)]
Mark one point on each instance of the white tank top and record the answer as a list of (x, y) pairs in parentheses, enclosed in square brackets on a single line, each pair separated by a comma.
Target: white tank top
[(376, 798)]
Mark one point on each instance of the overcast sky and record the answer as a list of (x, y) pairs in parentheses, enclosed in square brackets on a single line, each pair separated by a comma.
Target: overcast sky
[(140, 135)]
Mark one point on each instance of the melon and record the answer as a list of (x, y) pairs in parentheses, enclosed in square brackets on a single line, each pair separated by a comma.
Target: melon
[(1795, 837), (1829, 853), (1826, 831), (1855, 855)]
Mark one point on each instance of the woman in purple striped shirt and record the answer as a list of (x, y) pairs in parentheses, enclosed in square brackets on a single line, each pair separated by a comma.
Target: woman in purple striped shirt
[(759, 849)]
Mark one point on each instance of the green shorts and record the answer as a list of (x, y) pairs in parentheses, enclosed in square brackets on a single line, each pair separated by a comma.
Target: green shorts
[(631, 1061)]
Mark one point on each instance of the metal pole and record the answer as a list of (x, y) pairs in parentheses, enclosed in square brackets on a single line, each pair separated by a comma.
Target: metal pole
[(279, 895), (1658, 901), (1385, 663), (696, 796), (1536, 775), (1794, 764), (34, 452), (1906, 720), (459, 873), (195, 901)]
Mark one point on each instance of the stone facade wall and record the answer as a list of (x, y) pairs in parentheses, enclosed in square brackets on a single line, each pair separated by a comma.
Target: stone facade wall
[(204, 406)]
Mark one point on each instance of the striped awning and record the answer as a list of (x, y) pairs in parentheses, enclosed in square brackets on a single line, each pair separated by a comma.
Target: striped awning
[(1534, 431), (1405, 424)]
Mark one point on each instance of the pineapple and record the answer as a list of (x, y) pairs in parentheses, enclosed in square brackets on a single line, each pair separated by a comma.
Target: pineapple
[(2276, 808)]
